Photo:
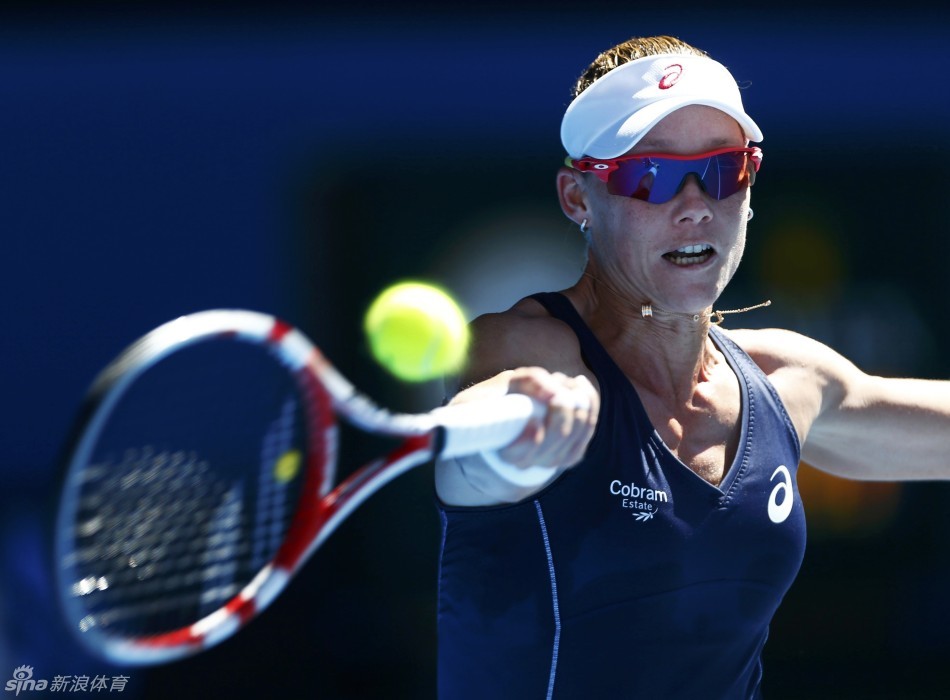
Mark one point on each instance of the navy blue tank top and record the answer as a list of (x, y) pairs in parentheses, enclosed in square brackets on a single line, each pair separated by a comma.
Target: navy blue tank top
[(629, 576)]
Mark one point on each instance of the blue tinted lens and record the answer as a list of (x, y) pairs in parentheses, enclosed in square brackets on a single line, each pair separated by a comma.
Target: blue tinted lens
[(657, 179)]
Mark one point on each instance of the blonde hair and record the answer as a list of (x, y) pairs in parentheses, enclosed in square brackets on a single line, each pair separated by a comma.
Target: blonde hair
[(630, 50)]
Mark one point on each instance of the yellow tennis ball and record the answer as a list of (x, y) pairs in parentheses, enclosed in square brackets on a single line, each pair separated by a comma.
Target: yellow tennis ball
[(417, 331)]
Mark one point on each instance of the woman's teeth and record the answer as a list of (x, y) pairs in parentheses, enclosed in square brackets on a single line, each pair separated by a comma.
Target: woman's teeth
[(690, 254)]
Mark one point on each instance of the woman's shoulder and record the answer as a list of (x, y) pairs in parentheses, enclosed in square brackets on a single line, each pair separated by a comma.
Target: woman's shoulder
[(525, 335)]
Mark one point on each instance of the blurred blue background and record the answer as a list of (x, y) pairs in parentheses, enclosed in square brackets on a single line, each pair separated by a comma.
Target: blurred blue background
[(164, 160)]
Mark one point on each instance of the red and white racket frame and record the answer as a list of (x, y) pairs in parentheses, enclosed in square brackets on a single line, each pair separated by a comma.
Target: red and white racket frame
[(449, 431)]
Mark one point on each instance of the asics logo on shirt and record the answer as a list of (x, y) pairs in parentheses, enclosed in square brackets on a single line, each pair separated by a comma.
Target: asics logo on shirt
[(783, 496)]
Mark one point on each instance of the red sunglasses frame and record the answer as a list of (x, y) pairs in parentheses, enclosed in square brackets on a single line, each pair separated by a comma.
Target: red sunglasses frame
[(603, 167)]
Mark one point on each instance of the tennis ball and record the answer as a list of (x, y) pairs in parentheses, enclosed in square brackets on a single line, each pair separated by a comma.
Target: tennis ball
[(416, 331)]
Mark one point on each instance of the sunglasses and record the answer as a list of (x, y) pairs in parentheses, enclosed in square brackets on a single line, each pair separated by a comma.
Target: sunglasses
[(658, 177)]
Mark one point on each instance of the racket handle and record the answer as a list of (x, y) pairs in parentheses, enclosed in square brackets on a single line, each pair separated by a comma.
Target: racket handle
[(486, 424)]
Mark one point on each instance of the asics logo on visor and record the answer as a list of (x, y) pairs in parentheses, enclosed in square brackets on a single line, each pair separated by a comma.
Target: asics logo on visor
[(672, 74), (658, 177)]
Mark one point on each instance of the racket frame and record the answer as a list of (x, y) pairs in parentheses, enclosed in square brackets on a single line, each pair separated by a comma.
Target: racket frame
[(450, 431)]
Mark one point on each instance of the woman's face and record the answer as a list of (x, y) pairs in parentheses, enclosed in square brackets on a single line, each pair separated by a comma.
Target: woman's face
[(681, 254)]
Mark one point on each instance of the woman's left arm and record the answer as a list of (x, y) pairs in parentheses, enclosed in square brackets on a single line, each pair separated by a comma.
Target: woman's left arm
[(853, 424)]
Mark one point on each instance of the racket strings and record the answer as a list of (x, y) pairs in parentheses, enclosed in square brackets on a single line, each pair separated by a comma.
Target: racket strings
[(279, 464), (160, 533), (186, 487)]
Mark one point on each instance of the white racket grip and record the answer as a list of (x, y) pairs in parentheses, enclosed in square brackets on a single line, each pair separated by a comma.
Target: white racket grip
[(485, 424)]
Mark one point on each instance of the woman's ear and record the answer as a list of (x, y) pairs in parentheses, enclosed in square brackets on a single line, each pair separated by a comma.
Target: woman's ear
[(572, 195)]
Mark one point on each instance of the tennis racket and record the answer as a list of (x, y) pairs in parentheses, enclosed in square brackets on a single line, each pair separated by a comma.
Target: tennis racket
[(201, 477)]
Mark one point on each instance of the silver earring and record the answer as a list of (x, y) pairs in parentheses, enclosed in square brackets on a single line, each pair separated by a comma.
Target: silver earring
[(584, 228), (646, 310), (750, 215)]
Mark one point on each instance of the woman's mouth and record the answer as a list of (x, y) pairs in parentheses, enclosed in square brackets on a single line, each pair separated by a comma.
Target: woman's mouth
[(690, 254)]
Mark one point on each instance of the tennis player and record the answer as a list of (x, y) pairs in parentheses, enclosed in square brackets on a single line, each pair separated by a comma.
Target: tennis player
[(636, 541)]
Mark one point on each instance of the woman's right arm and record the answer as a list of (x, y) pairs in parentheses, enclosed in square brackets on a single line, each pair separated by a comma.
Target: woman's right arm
[(527, 352)]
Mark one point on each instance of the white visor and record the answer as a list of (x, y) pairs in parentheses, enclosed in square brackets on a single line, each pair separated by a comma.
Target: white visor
[(608, 118)]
